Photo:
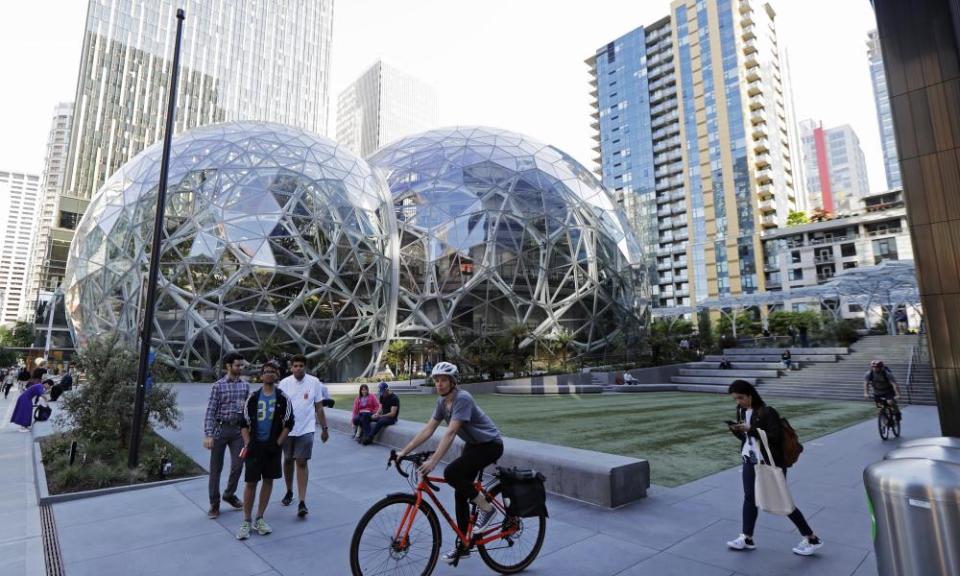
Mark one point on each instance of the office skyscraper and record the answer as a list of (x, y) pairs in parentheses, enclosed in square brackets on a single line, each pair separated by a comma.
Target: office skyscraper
[(694, 141), (881, 97), (834, 166), (19, 194), (46, 267), (382, 105), (241, 60)]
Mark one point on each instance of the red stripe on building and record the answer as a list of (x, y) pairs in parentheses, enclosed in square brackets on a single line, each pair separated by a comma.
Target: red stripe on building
[(823, 167)]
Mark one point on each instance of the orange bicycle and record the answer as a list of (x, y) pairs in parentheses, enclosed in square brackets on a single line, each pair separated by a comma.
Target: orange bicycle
[(401, 534)]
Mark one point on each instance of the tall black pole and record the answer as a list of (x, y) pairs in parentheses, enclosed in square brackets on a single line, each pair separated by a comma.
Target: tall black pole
[(146, 327)]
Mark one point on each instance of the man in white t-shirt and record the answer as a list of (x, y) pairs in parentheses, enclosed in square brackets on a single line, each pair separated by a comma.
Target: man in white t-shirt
[(306, 393)]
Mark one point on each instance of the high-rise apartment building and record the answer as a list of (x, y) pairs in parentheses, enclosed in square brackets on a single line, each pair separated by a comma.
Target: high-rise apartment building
[(46, 266), (19, 195), (881, 97), (635, 115), (240, 60), (382, 105), (694, 140), (834, 166)]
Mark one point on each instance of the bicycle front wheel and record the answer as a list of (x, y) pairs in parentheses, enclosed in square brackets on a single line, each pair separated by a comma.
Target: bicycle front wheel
[(382, 545), (895, 425), (513, 553), (882, 424)]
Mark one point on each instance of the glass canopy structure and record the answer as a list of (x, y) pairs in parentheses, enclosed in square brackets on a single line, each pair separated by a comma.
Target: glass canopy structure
[(498, 231), (275, 241)]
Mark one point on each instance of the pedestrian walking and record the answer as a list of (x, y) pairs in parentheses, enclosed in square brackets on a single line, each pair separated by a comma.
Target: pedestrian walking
[(34, 390), (268, 419), (754, 415), (306, 394), (221, 428)]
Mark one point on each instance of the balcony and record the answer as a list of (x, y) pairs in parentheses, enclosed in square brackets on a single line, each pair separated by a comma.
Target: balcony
[(758, 116), (824, 258), (745, 7), (760, 131), (765, 191), (665, 265), (750, 47), (754, 88), (679, 208), (767, 206), (682, 292), (762, 145), (664, 278), (757, 103), (749, 33), (680, 276), (764, 176), (678, 194), (763, 160), (682, 234), (679, 248), (768, 221), (746, 18), (753, 66), (666, 292), (664, 250), (663, 211), (883, 231)]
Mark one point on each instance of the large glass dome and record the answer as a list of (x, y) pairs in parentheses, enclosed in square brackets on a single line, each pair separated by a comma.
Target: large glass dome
[(498, 231), (275, 240)]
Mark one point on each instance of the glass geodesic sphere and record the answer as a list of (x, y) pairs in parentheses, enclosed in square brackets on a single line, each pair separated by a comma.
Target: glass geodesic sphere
[(501, 236), (275, 241)]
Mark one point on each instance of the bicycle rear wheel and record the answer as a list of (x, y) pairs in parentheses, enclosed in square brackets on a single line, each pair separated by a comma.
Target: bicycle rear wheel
[(882, 424), (376, 548), (513, 553)]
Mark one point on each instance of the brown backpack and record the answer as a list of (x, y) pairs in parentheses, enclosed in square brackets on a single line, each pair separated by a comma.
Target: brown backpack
[(791, 444)]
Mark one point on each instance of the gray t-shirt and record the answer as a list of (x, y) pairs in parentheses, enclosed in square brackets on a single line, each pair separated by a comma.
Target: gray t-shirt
[(476, 427)]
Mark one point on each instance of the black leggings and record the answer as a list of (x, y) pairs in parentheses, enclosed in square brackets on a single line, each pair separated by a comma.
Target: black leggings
[(464, 470), (750, 511)]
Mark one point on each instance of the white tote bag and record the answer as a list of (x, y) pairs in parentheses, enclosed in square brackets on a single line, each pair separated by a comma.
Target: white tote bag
[(770, 488)]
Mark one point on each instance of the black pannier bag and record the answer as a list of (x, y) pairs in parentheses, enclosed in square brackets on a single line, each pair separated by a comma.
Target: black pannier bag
[(42, 413), (523, 492)]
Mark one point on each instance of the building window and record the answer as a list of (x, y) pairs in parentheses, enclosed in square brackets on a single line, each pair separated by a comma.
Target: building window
[(795, 256), (885, 249), (848, 249), (796, 274)]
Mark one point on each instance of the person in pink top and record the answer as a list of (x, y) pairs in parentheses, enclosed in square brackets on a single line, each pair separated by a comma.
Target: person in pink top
[(365, 406)]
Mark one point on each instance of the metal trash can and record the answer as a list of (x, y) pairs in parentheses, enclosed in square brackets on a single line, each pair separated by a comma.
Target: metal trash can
[(946, 441), (937, 453), (915, 508)]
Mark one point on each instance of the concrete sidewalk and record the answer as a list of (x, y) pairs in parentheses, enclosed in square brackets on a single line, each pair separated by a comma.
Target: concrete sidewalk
[(674, 531), (21, 544)]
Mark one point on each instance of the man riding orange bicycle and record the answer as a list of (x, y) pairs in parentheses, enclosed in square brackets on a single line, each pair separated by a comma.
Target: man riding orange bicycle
[(885, 387)]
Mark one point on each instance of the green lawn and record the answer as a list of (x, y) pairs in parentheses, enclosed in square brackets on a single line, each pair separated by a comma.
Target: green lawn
[(683, 435)]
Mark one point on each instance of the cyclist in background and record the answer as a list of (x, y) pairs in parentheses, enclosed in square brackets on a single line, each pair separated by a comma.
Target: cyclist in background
[(885, 387), (483, 446)]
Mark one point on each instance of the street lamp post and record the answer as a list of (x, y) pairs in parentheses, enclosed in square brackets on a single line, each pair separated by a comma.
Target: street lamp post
[(146, 325)]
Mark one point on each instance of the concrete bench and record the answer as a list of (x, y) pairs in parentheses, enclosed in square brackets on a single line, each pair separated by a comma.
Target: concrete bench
[(732, 372), (549, 389), (596, 477), (737, 365), (719, 380), (778, 351), (770, 358), (636, 388)]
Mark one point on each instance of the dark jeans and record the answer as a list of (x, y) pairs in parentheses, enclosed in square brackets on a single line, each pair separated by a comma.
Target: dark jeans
[(750, 510), (462, 472), (380, 424), (228, 436), (363, 421)]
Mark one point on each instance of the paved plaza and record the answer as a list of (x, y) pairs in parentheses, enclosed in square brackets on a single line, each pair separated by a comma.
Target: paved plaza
[(681, 530)]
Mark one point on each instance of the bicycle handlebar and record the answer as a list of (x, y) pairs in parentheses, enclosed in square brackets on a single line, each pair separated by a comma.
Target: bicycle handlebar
[(416, 459)]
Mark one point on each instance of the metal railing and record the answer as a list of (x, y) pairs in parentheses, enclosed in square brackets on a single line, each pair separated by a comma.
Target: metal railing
[(919, 354)]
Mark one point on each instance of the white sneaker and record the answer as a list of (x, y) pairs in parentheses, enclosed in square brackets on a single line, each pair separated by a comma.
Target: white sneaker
[(454, 553), (743, 543), (806, 548)]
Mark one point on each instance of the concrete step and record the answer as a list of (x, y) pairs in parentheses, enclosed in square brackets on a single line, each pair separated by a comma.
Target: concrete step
[(735, 373), (778, 351), (549, 389), (739, 365), (772, 358), (717, 380)]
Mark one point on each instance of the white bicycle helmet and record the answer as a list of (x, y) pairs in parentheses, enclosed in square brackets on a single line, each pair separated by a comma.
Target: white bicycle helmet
[(446, 369)]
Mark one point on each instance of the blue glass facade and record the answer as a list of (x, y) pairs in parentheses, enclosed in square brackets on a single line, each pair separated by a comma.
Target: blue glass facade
[(692, 146), (625, 132), (891, 163)]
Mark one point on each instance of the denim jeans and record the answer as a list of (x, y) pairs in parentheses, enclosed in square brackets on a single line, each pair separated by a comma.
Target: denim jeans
[(363, 421), (382, 423)]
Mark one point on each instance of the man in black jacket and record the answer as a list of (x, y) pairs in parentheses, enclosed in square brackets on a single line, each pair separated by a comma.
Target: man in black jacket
[(268, 419)]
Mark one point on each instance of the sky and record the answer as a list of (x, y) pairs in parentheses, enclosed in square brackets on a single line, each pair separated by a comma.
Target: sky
[(503, 63)]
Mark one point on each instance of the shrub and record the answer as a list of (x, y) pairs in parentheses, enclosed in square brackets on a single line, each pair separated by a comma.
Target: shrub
[(103, 407)]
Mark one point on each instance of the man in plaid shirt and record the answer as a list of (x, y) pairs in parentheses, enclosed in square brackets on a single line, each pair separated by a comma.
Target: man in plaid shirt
[(221, 428)]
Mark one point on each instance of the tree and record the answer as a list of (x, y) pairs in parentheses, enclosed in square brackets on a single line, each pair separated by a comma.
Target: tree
[(519, 356), (796, 218), (561, 341), (22, 335), (439, 344), (397, 353), (820, 215), (102, 409)]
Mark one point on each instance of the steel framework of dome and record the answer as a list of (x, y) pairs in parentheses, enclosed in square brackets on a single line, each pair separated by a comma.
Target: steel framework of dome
[(276, 240), (497, 231)]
